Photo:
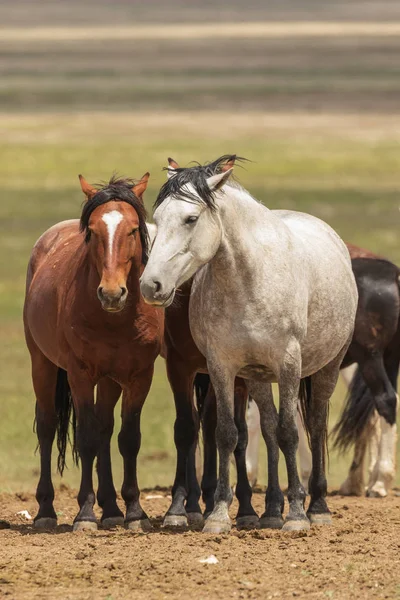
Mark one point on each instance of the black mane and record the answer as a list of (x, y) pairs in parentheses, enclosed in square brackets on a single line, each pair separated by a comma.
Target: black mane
[(117, 189), (197, 176)]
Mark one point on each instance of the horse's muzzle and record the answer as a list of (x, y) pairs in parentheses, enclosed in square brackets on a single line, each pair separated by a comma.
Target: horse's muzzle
[(154, 294), (112, 300)]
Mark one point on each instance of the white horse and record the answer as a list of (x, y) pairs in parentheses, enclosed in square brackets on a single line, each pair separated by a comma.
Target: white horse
[(273, 299)]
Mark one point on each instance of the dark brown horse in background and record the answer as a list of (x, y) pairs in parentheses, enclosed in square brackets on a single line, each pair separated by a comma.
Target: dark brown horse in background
[(86, 324)]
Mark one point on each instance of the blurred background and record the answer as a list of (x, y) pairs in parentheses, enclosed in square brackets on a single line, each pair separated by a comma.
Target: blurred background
[(307, 91)]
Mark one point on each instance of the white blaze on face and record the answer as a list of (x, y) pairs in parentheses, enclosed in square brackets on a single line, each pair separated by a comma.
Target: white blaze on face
[(112, 219)]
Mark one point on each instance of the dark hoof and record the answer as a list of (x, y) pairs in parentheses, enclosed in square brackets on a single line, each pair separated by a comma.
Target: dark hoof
[(248, 522), (320, 518), (110, 522), (176, 521), (85, 526), (212, 526), (45, 523), (140, 526), (271, 522), (296, 525), (195, 520)]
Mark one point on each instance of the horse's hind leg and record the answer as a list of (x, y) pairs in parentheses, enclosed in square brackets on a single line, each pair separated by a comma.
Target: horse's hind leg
[(129, 440), (44, 377), (253, 443), (223, 380), (305, 460), (108, 392), (274, 501), (384, 463), (209, 479), (354, 483), (384, 471), (246, 517), (288, 438), (323, 384)]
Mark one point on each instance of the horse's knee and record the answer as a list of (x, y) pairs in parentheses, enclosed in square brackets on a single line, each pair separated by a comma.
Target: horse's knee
[(227, 436)]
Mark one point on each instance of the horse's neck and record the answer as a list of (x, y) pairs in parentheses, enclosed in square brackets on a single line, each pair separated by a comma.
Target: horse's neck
[(246, 225)]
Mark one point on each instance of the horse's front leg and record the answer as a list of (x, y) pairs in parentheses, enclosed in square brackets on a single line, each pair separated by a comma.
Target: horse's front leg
[(181, 377), (129, 440), (88, 441), (288, 438), (223, 380), (108, 392)]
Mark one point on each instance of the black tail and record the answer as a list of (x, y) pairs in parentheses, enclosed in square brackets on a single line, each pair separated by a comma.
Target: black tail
[(201, 384), (356, 415), (305, 406), (64, 410)]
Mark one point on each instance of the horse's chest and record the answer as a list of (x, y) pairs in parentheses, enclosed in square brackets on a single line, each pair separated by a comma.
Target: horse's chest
[(116, 352)]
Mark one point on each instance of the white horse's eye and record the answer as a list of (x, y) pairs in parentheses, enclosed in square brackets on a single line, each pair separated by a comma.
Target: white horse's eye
[(191, 219)]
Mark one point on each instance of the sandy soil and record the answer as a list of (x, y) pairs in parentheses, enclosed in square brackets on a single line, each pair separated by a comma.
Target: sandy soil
[(357, 557)]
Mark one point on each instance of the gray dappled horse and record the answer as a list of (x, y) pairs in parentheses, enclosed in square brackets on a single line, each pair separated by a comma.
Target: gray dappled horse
[(273, 300)]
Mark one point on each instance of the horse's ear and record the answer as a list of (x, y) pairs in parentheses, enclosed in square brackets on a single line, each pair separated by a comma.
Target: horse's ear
[(140, 188), (87, 189), (230, 163), (215, 182), (172, 165)]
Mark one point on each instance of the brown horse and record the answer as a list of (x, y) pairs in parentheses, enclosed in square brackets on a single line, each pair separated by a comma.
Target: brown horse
[(86, 324), (183, 362)]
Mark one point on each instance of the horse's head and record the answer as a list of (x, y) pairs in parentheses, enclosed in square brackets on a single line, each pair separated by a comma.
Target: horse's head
[(188, 227), (113, 220)]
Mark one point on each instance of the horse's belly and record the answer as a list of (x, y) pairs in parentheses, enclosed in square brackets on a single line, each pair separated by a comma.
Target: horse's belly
[(257, 372)]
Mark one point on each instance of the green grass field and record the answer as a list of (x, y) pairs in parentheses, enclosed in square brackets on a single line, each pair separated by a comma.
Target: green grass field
[(317, 120)]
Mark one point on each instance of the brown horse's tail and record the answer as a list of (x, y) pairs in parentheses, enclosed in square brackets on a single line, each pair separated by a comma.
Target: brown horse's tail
[(65, 414), (306, 409)]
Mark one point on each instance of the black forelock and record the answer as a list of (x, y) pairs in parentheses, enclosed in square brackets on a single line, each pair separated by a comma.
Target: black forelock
[(117, 189), (175, 186)]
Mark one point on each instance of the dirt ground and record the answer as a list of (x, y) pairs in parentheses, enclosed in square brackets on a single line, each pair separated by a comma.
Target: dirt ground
[(357, 557)]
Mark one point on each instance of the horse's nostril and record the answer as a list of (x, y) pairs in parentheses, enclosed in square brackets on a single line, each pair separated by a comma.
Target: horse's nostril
[(100, 292), (157, 286), (123, 291)]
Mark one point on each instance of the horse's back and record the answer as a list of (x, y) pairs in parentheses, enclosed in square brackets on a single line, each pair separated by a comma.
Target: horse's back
[(59, 235), (314, 232)]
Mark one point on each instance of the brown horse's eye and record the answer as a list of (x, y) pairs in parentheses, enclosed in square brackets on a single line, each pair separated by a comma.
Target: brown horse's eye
[(133, 232)]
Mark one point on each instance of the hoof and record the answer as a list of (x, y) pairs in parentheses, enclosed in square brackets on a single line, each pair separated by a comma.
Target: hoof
[(320, 518), (248, 522), (376, 493), (140, 526), (217, 526), (296, 525), (110, 522), (195, 520), (85, 526), (45, 523), (176, 521), (271, 522)]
